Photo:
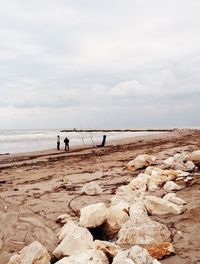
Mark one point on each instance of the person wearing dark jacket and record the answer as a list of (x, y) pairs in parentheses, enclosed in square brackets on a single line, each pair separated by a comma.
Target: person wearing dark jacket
[(66, 141)]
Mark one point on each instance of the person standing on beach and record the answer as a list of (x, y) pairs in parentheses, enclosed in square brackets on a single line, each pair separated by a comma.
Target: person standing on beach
[(66, 141), (58, 142)]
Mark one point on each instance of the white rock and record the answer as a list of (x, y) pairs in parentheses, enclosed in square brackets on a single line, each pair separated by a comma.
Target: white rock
[(122, 205), (116, 217), (194, 157), (136, 231), (158, 206), (138, 211), (92, 188), (190, 166), (169, 161), (140, 182), (108, 248), (88, 257), (155, 261), (189, 178), (158, 177), (141, 161), (32, 254), (124, 190), (128, 194), (68, 229), (171, 186), (93, 215), (155, 171), (75, 240), (177, 162), (16, 259), (183, 173), (134, 255), (174, 199), (126, 197)]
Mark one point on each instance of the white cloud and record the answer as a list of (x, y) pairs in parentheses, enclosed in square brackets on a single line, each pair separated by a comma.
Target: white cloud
[(99, 59)]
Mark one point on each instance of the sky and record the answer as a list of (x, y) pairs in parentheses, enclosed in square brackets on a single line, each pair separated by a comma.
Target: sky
[(99, 64)]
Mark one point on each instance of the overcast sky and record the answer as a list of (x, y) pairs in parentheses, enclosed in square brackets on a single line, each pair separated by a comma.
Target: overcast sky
[(99, 63)]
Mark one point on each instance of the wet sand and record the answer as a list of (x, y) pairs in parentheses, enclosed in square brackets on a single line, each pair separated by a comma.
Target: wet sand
[(37, 187)]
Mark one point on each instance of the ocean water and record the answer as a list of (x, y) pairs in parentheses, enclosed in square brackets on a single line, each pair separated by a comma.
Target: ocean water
[(19, 141)]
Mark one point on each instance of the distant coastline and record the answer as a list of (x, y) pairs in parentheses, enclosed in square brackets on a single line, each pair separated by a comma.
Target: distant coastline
[(120, 130)]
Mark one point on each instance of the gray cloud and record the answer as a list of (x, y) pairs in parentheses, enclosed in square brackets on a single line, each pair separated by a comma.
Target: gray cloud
[(113, 62)]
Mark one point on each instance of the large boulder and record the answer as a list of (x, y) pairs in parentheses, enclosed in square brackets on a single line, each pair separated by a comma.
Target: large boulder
[(158, 206), (171, 197), (134, 255), (116, 217), (93, 215), (88, 257), (92, 188), (35, 253), (141, 161), (136, 231), (74, 240)]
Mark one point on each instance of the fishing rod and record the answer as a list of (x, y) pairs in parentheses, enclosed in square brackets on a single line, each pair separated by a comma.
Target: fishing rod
[(82, 136), (91, 135)]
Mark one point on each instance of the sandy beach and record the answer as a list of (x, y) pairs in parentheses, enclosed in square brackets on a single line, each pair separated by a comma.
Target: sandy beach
[(37, 187)]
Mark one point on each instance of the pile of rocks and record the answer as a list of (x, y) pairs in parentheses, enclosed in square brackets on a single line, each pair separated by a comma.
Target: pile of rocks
[(125, 224)]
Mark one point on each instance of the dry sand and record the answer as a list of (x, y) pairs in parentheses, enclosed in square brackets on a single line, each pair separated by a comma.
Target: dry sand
[(37, 187)]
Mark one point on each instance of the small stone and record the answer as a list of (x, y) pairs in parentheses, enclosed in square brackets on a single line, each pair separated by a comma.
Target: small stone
[(92, 188)]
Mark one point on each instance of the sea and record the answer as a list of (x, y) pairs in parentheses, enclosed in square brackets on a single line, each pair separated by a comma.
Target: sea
[(19, 141)]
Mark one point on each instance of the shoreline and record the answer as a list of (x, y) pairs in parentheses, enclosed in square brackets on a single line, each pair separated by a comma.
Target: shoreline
[(42, 156), (119, 141), (110, 140)]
